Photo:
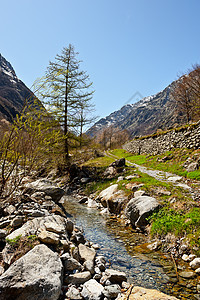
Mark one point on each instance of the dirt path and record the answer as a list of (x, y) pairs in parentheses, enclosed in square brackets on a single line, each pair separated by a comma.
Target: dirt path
[(157, 174)]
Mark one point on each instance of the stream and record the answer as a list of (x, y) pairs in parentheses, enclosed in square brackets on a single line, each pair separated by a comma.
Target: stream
[(122, 248)]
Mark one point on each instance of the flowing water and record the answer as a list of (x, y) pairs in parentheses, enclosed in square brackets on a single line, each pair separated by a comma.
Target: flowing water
[(122, 248)]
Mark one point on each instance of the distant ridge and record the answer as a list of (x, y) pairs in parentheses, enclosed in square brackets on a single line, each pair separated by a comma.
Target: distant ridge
[(143, 117), (13, 92)]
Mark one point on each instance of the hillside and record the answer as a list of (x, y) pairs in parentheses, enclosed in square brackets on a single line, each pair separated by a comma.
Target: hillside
[(144, 117), (13, 92)]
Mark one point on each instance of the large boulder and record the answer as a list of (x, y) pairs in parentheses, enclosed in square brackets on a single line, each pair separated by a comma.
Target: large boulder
[(36, 275), (139, 208), (92, 290), (48, 187), (112, 198)]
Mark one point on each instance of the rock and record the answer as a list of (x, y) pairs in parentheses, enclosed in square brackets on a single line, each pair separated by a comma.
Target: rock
[(112, 291), (69, 263), (85, 180), (120, 178), (33, 227), (108, 194), (17, 221), (36, 275), (4, 223), (65, 244), (136, 293), (78, 278), (185, 257), (197, 271), (89, 266), (83, 200), (48, 237), (129, 177), (92, 290), (155, 246), (54, 227), (138, 209), (139, 193), (110, 171), (3, 233), (187, 275), (38, 195), (73, 294), (86, 253), (133, 187), (112, 198), (114, 276), (1, 270), (174, 178), (92, 203), (37, 213), (46, 186), (195, 263), (119, 163), (192, 167), (191, 257), (9, 210)]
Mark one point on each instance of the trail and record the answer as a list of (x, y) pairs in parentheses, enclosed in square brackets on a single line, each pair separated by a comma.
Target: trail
[(157, 174)]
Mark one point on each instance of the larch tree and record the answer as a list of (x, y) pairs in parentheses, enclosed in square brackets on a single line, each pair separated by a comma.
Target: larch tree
[(67, 92)]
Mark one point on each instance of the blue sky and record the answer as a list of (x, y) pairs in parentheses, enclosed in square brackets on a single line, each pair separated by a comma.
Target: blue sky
[(127, 46)]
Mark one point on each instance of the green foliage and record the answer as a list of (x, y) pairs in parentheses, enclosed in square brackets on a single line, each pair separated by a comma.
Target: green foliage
[(194, 175), (169, 220), (15, 241)]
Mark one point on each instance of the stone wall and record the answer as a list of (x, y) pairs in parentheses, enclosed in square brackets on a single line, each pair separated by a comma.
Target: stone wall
[(186, 137)]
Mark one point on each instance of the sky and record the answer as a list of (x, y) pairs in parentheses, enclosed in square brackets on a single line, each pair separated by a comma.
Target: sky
[(129, 48)]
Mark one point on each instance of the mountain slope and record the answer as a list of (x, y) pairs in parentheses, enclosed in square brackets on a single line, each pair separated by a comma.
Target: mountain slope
[(144, 117), (13, 92)]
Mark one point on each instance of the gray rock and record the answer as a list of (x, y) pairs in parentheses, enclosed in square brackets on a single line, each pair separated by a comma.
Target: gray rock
[(17, 221), (73, 293), (89, 266), (48, 237), (92, 290), (36, 275), (119, 163), (112, 291), (86, 253), (70, 264), (197, 271), (4, 223), (139, 193), (33, 227), (46, 186), (3, 233), (192, 167), (113, 276), (9, 210), (138, 209), (77, 278), (187, 275), (195, 263)]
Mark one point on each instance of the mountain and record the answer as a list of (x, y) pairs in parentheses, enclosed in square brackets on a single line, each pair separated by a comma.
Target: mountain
[(13, 92), (143, 117)]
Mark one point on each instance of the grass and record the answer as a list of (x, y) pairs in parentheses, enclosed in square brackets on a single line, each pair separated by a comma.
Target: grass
[(177, 222), (99, 162)]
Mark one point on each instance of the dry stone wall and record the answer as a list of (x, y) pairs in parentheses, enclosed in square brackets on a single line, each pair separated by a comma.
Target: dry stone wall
[(188, 137)]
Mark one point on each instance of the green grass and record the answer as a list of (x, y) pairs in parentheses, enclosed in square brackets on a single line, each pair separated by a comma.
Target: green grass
[(169, 220), (99, 162)]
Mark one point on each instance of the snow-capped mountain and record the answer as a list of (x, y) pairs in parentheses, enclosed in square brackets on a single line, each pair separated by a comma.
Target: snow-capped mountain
[(13, 91), (143, 117)]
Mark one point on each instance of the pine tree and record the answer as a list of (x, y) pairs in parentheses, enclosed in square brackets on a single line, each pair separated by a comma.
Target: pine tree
[(66, 90)]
